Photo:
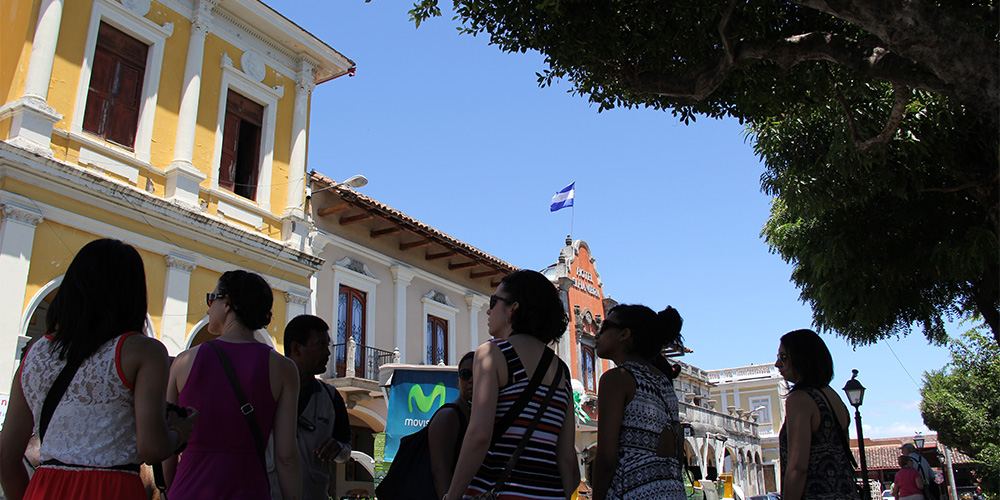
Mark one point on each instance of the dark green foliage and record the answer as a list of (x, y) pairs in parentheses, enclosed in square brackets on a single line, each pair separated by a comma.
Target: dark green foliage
[(961, 403), (878, 124)]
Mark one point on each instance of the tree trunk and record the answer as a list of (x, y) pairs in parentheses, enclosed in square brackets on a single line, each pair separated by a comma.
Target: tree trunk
[(986, 302)]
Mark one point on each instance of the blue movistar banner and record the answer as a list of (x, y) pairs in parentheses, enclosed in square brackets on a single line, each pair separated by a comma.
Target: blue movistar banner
[(414, 396)]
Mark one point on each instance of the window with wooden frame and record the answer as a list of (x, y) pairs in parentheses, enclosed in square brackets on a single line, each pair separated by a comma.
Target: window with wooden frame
[(589, 361), (351, 306), (240, 164), (115, 93), (437, 340)]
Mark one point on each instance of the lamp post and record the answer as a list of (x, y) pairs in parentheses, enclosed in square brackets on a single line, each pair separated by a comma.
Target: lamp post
[(856, 395), (918, 441)]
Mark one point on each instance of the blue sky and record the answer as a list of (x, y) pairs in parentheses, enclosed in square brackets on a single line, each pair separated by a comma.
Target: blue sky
[(458, 134)]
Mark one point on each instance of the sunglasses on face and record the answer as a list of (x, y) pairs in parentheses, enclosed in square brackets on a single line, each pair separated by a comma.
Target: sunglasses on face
[(465, 374), (212, 297), (609, 324), (494, 298)]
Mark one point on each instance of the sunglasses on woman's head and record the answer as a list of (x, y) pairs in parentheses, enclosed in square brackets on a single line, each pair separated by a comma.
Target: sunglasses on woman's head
[(465, 374)]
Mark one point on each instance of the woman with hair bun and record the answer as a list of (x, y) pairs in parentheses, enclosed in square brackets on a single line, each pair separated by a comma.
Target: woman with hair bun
[(639, 436), (222, 458)]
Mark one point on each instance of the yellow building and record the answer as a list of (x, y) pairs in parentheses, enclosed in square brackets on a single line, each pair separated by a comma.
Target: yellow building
[(178, 126), (757, 391)]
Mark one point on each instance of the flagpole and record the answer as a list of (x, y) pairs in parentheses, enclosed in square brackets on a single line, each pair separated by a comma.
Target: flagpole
[(572, 215)]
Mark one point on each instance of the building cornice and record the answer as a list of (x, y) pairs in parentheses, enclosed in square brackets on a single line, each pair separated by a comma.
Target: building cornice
[(104, 193)]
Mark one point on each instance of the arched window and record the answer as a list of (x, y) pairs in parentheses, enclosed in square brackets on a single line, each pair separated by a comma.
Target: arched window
[(437, 340), (589, 369), (351, 305)]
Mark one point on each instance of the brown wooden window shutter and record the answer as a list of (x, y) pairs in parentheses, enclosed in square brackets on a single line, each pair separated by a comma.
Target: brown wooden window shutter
[(240, 163), (115, 94)]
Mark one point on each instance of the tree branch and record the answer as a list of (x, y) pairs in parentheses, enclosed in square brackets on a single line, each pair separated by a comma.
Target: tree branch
[(990, 181), (902, 98), (875, 62), (945, 41), (724, 30)]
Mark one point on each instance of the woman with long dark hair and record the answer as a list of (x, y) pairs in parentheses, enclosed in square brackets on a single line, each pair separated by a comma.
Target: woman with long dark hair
[(525, 314), (639, 436), (111, 415), (223, 458), (815, 456)]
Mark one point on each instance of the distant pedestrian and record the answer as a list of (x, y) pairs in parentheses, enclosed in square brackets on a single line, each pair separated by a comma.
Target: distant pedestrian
[(447, 428), (225, 457), (813, 444), (110, 414), (908, 485), (525, 315), (639, 437), (920, 463)]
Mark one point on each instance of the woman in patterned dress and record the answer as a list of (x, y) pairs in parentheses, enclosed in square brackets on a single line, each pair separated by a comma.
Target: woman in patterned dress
[(111, 417), (639, 436), (525, 314), (814, 452)]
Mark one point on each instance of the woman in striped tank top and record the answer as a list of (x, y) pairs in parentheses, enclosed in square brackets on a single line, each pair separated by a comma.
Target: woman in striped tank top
[(525, 314)]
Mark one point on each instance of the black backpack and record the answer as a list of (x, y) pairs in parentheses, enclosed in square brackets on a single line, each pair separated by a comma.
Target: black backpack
[(932, 490), (409, 476)]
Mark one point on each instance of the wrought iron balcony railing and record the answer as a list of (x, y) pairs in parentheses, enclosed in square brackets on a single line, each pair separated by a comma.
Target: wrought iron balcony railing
[(360, 361)]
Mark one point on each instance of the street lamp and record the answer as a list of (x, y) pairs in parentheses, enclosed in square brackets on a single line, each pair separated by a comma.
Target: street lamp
[(856, 395), (918, 441), (354, 181)]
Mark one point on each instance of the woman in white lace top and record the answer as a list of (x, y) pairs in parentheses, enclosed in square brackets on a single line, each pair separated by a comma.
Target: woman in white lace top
[(111, 416)]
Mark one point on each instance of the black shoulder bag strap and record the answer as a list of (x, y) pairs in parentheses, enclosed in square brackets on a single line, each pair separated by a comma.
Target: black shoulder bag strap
[(556, 382), (55, 394), (245, 407), (536, 380)]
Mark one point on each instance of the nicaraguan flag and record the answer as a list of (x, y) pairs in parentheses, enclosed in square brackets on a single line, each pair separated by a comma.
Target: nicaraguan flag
[(563, 198)]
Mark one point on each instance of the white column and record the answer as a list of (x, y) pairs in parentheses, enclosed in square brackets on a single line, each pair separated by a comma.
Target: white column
[(568, 342), (475, 302), (300, 120), (317, 242), (294, 226), (295, 304), (401, 278), (17, 236), (183, 178), (176, 290), (43, 50), (31, 116)]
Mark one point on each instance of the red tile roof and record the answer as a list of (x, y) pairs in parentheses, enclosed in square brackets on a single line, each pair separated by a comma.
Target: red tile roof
[(884, 453), (412, 225)]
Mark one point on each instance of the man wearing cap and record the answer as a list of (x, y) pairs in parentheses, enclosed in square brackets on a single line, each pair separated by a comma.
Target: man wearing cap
[(918, 462)]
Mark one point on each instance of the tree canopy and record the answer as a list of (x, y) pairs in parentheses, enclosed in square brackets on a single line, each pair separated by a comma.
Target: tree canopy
[(877, 123), (960, 403)]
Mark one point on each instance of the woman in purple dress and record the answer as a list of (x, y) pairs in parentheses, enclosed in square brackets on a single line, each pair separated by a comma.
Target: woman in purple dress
[(222, 459)]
